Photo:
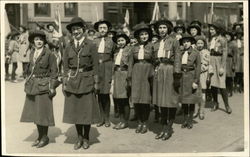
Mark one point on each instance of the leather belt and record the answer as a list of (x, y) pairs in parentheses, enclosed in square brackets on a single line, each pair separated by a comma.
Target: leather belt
[(215, 53), (142, 61), (230, 56), (40, 75), (166, 61), (104, 60), (185, 68), (121, 68), (85, 69)]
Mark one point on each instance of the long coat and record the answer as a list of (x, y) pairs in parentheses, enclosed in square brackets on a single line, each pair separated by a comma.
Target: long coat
[(13, 51), (218, 60), (120, 73), (188, 95), (24, 50), (164, 94), (80, 75), (105, 64), (231, 58), (38, 107), (206, 68), (142, 73)]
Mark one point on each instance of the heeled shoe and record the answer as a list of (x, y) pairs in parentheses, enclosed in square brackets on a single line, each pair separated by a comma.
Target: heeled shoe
[(138, 129), (117, 125), (43, 142), (184, 125), (107, 124), (166, 136), (215, 107), (35, 143), (144, 129), (100, 124), (78, 144), (228, 109), (159, 136), (122, 126), (85, 144)]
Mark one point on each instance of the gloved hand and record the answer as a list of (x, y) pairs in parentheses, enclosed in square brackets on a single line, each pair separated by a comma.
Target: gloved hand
[(221, 71), (177, 81), (52, 93)]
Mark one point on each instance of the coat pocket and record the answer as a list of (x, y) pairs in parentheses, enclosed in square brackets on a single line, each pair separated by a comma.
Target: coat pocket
[(43, 85), (28, 86)]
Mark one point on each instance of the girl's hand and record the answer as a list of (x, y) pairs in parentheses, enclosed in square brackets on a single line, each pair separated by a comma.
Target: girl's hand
[(194, 86), (221, 71)]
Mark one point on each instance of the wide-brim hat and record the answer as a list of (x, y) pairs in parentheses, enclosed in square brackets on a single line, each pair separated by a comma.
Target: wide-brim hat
[(187, 37), (156, 35), (166, 22), (96, 25), (179, 24), (76, 21), (237, 24), (218, 24), (112, 31), (53, 45), (196, 22), (51, 24), (37, 34), (196, 26), (121, 34), (142, 27), (91, 30)]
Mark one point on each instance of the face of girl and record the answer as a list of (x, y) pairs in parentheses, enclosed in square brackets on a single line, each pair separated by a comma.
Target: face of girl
[(51, 28), (133, 41), (212, 31), (228, 37), (110, 34), (163, 30), (186, 44), (38, 42), (77, 32), (193, 31), (179, 31), (121, 42), (103, 29), (144, 36), (200, 44)]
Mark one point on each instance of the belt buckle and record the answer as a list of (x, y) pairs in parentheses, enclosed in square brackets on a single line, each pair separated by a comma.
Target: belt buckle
[(185, 70), (33, 75), (81, 70), (100, 61)]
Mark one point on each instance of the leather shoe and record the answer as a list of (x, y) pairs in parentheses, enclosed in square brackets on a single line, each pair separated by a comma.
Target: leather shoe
[(122, 126), (138, 129), (35, 143), (107, 124), (159, 135), (43, 142), (85, 144), (100, 124), (166, 136), (184, 125), (78, 144), (190, 125), (228, 109), (201, 116), (215, 107), (117, 125), (144, 129)]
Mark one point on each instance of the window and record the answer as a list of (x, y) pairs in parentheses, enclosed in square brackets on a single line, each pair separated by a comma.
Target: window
[(42, 9), (70, 9)]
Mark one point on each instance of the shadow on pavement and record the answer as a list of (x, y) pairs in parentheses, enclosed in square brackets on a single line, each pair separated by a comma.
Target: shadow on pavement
[(53, 132), (71, 135)]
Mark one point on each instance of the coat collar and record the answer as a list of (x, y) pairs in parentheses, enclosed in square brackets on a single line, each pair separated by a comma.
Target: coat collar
[(81, 45), (189, 50), (40, 56)]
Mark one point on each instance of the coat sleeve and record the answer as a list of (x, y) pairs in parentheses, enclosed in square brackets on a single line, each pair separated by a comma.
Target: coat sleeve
[(65, 62), (197, 68), (53, 70), (177, 56)]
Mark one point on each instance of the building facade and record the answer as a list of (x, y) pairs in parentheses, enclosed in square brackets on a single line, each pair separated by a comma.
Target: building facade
[(29, 14)]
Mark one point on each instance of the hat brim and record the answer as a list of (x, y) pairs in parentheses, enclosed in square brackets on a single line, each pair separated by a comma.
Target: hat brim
[(137, 33), (35, 34), (191, 39), (194, 26), (69, 26), (115, 38), (50, 24), (96, 25)]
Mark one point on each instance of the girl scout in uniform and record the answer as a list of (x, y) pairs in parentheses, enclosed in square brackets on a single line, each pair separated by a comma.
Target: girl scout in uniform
[(218, 48), (121, 88), (80, 83), (141, 73), (179, 29), (40, 88), (105, 48), (206, 73), (191, 68), (167, 54)]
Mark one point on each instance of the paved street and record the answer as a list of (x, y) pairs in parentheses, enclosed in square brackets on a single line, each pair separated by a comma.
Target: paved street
[(219, 131)]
